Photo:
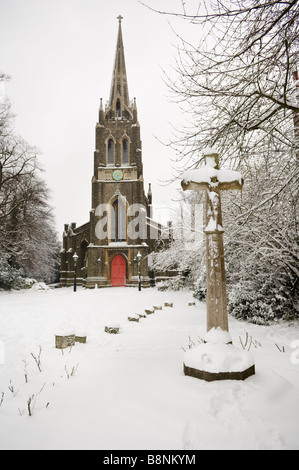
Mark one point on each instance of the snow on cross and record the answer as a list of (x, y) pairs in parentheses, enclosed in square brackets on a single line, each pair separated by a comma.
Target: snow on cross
[(212, 180), (203, 363)]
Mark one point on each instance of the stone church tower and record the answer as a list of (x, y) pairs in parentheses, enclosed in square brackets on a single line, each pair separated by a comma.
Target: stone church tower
[(120, 224)]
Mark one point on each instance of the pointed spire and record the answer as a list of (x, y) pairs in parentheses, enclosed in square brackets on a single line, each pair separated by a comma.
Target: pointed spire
[(134, 109), (101, 112), (119, 94)]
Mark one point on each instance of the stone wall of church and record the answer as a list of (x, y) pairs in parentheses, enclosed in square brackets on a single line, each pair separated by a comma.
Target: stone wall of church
[(117, 130), (75, 240)]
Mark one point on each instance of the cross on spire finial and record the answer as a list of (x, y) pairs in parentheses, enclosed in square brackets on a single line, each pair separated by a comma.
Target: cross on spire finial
[(120, 18)]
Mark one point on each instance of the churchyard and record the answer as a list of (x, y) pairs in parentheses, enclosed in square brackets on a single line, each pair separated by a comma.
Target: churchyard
[(128, 390)]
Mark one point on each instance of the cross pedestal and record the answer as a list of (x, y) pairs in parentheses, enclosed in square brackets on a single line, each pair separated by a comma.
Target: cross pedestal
[(212, 180)]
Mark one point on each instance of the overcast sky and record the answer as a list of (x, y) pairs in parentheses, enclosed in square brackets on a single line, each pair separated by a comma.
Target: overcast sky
[(60, 54)]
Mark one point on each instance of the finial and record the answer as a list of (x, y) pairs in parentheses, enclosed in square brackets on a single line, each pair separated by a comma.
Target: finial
[(120, 18)]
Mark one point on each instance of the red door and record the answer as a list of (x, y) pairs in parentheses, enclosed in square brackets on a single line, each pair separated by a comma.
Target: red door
[(118, 271)]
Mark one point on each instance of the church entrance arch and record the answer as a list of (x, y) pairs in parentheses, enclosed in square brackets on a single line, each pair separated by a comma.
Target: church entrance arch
[(118, 271)]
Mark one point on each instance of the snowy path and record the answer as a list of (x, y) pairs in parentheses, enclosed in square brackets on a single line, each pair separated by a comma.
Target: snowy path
[(129, 391)]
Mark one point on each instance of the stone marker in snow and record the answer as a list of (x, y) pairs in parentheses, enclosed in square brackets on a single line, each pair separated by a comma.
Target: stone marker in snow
[(64, 341), (114, 328), (134, 317), (149, 311), (219, 359), (80, 338), (141, 315)]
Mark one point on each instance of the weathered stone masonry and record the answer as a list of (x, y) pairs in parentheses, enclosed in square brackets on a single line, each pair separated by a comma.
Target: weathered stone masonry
[(105, 246)]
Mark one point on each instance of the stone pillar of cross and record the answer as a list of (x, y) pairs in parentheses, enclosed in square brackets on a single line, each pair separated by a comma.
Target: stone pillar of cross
[(212, 180)]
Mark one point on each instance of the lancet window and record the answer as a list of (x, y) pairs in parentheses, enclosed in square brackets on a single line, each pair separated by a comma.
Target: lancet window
[(110, 152), (125, 152)]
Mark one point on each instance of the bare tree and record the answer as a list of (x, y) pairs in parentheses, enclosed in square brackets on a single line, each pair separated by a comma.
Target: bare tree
[(236, 82), (239, 87), (27, 236)]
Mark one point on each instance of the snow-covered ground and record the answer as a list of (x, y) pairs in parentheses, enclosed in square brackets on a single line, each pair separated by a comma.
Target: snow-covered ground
[(128, 391)]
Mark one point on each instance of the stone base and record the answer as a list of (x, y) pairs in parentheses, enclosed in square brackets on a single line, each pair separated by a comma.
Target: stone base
[(211, 376), (218, 359)]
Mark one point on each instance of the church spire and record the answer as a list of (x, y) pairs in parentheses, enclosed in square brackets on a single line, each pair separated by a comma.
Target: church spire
[(119, 94)]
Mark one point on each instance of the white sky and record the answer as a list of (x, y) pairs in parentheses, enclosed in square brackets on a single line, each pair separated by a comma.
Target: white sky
[(60, 54)]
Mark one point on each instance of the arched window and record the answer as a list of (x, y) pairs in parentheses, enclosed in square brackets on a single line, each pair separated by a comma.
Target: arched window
[(118, 220), (110, 152), (125, 152)]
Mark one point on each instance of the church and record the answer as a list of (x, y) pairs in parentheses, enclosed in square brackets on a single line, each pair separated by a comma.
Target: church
[(114, 247)]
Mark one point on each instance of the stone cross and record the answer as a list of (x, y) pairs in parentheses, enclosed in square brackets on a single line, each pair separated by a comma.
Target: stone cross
[(212, 180)]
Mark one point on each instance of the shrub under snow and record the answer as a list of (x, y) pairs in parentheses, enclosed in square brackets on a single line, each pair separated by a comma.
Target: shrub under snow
[(259, 303)]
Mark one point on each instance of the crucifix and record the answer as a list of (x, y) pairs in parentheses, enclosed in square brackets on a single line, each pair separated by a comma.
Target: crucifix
[(120, 18), (212, 180)]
